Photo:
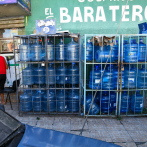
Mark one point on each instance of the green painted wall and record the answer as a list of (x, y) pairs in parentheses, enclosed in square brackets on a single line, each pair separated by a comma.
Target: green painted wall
[(136, 13)]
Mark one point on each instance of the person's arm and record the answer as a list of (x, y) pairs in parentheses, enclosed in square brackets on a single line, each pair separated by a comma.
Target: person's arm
[(6, 64)]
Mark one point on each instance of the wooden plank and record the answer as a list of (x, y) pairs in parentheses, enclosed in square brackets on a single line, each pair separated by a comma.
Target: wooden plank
[(12, 18), (11, 22), (12, 26)]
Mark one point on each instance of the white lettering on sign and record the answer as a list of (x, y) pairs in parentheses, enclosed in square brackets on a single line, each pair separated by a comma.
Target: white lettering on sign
[(99, 15), (125, 13), (48, 11), (76, 18), (113, 8), (88, 14), (135, 13), (100, 10), (64, 14)]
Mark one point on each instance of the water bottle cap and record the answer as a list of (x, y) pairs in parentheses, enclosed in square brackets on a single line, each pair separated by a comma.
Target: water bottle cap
[(134, 40), (73, 63), (96, 66), (130, 40)]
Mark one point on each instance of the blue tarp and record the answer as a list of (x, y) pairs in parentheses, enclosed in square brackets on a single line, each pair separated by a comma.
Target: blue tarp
[(38, 137)]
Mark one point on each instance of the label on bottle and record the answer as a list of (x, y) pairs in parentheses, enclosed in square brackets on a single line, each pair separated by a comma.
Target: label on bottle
[(141, 105), (131, 79), (57, 77), (131, 53), (97, 81)]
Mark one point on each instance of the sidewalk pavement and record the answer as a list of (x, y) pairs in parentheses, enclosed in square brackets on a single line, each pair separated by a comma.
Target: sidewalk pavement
[(126, 132)]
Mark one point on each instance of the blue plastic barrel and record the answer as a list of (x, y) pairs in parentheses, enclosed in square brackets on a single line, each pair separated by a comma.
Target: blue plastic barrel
[(102, 54), (60, 51), (73, 74), (125, 102), (113, 100), (25, 102), (27, 75), (24, 51), (61, 100), (72, 51), (49, 101), (51, 75), (94, 109), (142, 78), (105, 103), (108, 78), (130, 77), (95, 77), (115, 49), (137, 102), (142, 51), (36, 51), (37, 102), (39, 75), (61, 73), (131, 51), (73, 100), (116, 77), (89, 51), (50, 51)]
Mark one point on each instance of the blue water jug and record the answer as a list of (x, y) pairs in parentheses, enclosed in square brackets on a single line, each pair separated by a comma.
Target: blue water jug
[(24, 51), (37, 102), (94, 109), (105, 103), (61, 73), (30, 92), (73, 100), (72, 51), (50, 51), (95, 77), (116, 77), (137, 102), (51, 75), (124, 48), (39, 75), (125, 102), (108, 79), (49, 101), (27, 75), (89, 51), (142, 51), (142, 78), (131, 51), (130, 77), (115, 49), (61, 100), (60, 51), (25, 102), (73, 74), (36, 51), (102, 54), (113, 100)]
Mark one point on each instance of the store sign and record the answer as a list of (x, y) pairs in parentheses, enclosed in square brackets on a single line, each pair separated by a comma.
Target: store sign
[(91, 16), (7, 1)]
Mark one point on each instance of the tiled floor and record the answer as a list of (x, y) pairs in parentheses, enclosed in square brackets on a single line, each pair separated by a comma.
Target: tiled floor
[(127, 132)]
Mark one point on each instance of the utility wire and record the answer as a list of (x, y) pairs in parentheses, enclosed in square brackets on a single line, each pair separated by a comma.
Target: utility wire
[(102, 73)]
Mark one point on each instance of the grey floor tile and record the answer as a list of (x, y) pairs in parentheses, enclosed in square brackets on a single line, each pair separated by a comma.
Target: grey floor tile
[(120, 136), (138, 136)]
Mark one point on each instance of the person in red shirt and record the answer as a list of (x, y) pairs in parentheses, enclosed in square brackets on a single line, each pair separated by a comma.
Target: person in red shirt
[(3, 67)]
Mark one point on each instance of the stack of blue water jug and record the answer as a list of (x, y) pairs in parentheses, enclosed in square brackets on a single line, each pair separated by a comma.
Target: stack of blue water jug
[(37, 52), (39, 100)]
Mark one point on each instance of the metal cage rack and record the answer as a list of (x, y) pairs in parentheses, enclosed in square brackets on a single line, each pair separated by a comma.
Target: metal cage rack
[(127, 72), (37, 103), (91, 77)]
